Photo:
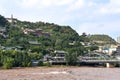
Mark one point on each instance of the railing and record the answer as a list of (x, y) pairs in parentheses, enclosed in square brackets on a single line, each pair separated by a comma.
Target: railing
[(100, 61)]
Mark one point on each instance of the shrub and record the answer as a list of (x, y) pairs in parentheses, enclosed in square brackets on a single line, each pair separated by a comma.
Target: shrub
[(48, 64), (8, 63), (40, 63)]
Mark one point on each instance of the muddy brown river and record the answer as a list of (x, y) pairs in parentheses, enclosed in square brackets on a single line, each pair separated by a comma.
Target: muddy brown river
[(61, 73)]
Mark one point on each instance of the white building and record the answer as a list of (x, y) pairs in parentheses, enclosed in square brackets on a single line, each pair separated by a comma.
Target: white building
[(118, 39), (109, 49)]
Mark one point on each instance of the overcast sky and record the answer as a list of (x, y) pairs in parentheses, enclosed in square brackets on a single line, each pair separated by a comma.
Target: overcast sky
[(90, 16)]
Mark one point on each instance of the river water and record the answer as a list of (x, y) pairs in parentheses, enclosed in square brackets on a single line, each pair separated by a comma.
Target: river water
[(61, 73)]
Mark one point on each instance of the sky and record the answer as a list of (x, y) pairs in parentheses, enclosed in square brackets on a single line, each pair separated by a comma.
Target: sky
[(89, 16)]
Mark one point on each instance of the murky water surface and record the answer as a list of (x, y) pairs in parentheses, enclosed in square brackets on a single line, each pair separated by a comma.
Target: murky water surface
[(60, 73)]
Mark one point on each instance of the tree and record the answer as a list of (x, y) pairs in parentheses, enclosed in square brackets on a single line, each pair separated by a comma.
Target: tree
[(26, 59), (92, 48), (12, 58), (40, 63), (3, 21), (8, 63), (71, 58)]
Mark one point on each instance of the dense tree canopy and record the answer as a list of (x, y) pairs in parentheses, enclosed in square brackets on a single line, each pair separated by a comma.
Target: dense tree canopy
[(3, 21)]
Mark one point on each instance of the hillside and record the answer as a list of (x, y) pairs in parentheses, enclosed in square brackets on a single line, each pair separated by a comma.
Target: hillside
[(22, 42), (40, 36), (102, 39)]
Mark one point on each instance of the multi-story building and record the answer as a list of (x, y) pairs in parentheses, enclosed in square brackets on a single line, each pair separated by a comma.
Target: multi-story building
[(3, 32), (118, 40), (117, 53), (59, 56), (118, 49)]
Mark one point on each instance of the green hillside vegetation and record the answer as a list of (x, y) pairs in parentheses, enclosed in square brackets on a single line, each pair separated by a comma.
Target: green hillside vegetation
[(102, 39), (57, 37), (3, 21), (34, 40)]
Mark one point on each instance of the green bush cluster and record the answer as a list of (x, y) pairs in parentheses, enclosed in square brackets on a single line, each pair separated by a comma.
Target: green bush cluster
[(48, 64), (11, 58)]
